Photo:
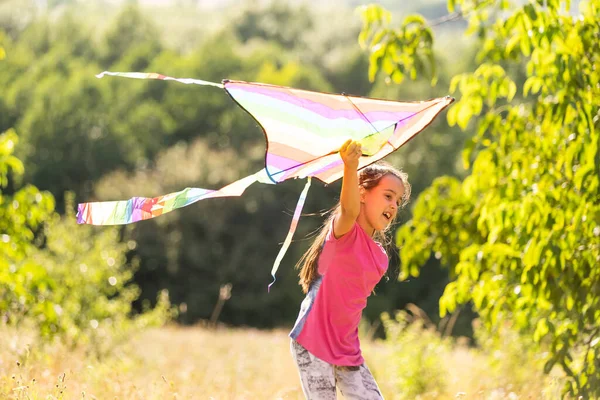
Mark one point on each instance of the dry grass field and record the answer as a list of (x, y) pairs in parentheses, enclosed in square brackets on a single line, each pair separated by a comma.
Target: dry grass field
[(202, 363)]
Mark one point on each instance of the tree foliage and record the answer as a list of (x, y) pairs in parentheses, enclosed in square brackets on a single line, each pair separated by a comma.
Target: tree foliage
[(521, 233), (278, 22), (65, 281)]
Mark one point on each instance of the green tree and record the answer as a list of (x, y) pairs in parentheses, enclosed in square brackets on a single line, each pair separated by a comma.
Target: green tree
[(74, 127), (521, 233), (22, 210), (131, 42), (59, 278), (62, 279), (278, 22)]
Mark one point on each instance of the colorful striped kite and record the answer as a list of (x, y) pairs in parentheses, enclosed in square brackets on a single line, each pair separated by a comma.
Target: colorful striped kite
[(303, 130)]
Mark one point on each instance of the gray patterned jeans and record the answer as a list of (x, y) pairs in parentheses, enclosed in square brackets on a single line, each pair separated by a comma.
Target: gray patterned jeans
[(319, 378)]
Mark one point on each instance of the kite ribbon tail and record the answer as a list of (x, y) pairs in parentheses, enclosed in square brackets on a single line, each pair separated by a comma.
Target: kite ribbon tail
[(290, 234), (143, 208), (152, 75)]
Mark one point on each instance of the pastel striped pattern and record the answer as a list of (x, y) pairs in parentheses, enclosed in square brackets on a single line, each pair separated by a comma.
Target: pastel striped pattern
[(305, 129)]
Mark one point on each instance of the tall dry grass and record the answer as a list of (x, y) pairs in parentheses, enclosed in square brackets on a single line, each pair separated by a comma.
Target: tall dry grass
[(203, 363)]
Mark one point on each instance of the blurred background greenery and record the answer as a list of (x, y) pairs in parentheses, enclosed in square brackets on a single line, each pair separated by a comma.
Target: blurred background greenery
[(112, 139), (478, 222)]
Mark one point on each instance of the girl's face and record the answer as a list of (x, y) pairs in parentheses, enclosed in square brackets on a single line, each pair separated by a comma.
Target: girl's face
[(379, 205)]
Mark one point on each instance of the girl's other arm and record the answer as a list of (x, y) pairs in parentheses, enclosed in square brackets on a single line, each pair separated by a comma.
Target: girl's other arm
[(350, 195)]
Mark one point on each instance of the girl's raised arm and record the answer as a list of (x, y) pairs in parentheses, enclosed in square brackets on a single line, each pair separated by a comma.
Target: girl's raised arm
[(350, 195)]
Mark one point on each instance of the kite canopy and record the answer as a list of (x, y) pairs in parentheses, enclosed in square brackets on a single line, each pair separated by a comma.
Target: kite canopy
[(305, 129)]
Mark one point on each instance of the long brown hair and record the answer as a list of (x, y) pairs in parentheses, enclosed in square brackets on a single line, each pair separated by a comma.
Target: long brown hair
[(368, 178)]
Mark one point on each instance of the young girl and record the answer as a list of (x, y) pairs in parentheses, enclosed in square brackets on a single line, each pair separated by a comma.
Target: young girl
[(338, 273)]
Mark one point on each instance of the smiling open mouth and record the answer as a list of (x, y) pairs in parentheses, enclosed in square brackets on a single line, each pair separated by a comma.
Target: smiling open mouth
[(387, 215)]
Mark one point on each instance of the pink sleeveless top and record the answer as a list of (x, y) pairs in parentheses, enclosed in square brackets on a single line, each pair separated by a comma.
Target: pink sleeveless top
[(327, 325)]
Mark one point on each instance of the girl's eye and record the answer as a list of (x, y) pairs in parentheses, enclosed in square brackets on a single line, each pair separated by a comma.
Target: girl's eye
[(387, 196)]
